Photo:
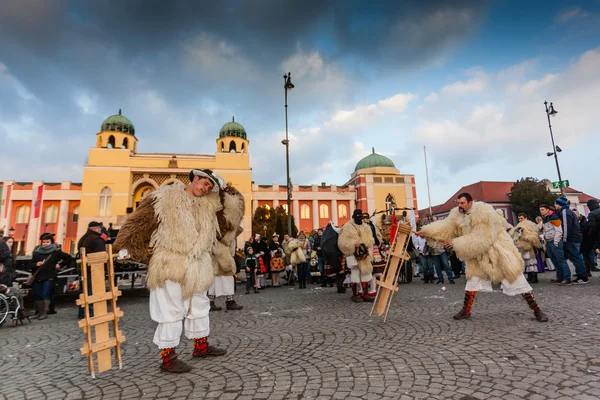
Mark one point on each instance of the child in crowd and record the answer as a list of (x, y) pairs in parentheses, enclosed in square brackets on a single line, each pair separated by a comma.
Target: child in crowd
[(252, 266)]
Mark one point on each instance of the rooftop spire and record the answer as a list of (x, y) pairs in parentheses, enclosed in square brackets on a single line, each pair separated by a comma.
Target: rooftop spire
[(119, 111), (233, 119), (373, 149)]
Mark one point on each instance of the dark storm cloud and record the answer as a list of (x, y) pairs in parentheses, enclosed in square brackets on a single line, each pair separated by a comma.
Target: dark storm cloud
[(180, 69)]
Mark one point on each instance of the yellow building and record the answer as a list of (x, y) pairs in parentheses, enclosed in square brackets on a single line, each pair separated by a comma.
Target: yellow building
[(116, 177)]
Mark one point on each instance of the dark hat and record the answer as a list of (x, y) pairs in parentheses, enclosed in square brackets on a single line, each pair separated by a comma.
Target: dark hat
[(561, 201), (47, 236), (94, 224), (357, 213)]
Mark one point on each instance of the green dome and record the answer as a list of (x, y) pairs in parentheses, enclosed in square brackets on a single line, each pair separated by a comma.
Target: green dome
[(232, 129), (374, 160), (118, 123)]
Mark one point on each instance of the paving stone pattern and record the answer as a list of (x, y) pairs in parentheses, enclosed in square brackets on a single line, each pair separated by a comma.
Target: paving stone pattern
[(315, 344)]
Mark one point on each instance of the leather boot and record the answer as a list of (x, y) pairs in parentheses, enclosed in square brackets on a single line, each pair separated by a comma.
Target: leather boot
[(38, 309), (213, 306), (172, 363), (465, 313), (232, 305), (534, 277), (45, 304)]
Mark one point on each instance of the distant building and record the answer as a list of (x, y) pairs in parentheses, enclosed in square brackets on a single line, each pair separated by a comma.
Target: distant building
[(498, 195)]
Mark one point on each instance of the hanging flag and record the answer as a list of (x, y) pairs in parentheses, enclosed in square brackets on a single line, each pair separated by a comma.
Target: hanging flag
[(38, 202)]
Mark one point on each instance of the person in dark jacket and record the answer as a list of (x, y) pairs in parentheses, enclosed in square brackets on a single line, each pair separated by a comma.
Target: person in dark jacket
[(572, 239), (45, 263), (92, 242), (320, 258), (7, 270), (594, 230)]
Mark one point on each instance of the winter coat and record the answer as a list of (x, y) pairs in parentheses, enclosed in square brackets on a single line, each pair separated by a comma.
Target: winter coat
[(525, 236), (570, 225), (479, 238), (6, 258), (552, 228), (48, 270), (92, 242), (251, 262), (594, 222), (229, 219), (299, 249)]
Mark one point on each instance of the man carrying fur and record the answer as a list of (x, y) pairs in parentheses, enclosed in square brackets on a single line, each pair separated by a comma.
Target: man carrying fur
[(179, 223), (356, 242), (478, 237), (229, 218), (527, 240)]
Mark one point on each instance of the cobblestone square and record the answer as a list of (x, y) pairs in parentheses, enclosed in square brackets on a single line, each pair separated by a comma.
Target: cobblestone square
[(315, 344)]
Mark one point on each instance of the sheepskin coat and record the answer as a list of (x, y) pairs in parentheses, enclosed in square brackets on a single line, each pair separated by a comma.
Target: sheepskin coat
[(181, 230), (479, 239), (297, 251), (352, 233), (229, 218), (526, 236)]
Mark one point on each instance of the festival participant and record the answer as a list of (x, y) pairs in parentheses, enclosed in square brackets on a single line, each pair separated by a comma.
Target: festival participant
[(527, 240), (333, 255), (355, 240), (478, 236), (229, 218), (277, 260), (251, 265), (377, 260), (179, 223)]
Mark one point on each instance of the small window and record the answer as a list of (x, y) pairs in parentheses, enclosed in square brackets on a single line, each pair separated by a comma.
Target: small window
[(342, 211), (75, 214), (323, 211), (305, 211), (377, 179), (50, 214), (111, 142), (399, 180), (388, 180)]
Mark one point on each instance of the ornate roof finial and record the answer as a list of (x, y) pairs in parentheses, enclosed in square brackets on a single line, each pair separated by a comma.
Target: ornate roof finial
[(119, 111), (233, 119), (373, 150)]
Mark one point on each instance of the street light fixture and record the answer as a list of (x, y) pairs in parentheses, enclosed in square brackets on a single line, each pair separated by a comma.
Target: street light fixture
[(288, 85), (551, 111)]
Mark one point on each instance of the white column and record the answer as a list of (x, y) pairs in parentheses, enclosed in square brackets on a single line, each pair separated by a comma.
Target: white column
[(275, 203), (334, 210), (33, 229), (352, 207), (315, 206), (6, 206), (254, 205), (61, 229), (296, 207)]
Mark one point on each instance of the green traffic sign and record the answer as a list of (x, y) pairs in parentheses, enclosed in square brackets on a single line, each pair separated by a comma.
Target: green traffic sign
[(560, 184)]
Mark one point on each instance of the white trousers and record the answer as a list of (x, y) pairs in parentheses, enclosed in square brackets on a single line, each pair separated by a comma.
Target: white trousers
[(520, 286), (222, 286), (168, 309), (357, 277)]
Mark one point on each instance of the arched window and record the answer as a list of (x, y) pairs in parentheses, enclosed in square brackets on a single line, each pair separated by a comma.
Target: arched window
[(104, 202), (342, 211), (232, 147), (222, 147), (243, 148), (285, 208), (111, 142), (75, 214), (323, 211), (22, 214), (50, 214), (125, 144), (305, 211)]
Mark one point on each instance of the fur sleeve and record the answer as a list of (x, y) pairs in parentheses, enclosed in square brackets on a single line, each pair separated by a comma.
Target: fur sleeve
[(443, 230), (136, 232), (348, 238), (530, 235), (484, 232)]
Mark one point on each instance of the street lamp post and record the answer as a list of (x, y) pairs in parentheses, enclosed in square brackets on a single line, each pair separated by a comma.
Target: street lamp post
[(551, 111), (288, 85)]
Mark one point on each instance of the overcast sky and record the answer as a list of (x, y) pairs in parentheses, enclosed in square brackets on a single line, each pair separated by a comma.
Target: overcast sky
[(465, 78)]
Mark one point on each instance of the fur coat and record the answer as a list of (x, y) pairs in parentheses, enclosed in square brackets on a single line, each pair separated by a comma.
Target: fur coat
[(181, 231), (352, 233), (229, 218), (526, 236), (479, 239), (296, 248)]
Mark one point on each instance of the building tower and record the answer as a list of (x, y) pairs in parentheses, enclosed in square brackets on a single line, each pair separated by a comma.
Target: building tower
[(232, 138), (117, 132)]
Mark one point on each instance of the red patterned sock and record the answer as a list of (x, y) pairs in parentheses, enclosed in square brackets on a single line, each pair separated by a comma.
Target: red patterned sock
[(200, 345), (469, 298), (167, 356)]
